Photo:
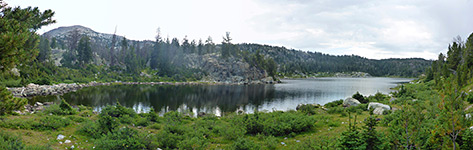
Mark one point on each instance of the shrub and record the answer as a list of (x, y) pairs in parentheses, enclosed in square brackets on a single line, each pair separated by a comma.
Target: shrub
[(271, 142), (118, 111), (378, 97), (173, 117), (8, 103), (194, 139), (244, 144), (307, 109), (18, 123), (360, 98), (62, 109), (469, 98), (42, 81), (467, 139), (170, 136), (76, 119), (231, 132), (155, 126), (107, 123), (8, 141), (152, 116), (334, 104), (142, 122), (52, 123), (123, 138), (276, 123), (336, 110)]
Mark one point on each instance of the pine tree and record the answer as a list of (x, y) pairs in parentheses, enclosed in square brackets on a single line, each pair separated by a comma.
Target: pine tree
[(44, 50), (8, 103), (351, 138), (84, 51), (19, 41), (452, 117), (54, 43), (371, 138), (227, 46)]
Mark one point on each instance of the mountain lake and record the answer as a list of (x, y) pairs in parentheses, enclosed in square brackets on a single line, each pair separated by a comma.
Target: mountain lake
[(219, 99)]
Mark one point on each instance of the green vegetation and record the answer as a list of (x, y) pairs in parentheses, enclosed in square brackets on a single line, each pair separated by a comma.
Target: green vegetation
[(431, 113)]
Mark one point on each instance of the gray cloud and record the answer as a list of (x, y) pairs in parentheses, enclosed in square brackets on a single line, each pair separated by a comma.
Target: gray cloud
[(374, 29)]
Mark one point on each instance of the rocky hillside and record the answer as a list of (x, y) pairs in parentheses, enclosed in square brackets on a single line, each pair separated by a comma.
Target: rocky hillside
[(210, 67), (247, 62)]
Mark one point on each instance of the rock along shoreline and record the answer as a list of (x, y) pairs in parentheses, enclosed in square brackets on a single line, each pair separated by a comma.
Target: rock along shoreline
[(32, 89)]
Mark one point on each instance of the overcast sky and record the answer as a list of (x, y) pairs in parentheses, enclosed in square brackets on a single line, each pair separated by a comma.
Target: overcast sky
[(369, 28)]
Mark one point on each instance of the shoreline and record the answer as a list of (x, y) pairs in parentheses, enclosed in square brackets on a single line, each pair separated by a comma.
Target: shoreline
[(32, 89)]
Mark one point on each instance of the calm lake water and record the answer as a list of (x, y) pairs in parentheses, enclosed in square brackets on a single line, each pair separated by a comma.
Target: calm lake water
[(216, 99)]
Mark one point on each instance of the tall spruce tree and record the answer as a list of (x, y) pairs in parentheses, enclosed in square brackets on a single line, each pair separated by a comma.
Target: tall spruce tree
[(84, 51), (44, 50)]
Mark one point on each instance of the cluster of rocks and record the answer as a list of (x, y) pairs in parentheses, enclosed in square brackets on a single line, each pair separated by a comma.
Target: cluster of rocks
[(379, 108), (42, 90), (38, 106)]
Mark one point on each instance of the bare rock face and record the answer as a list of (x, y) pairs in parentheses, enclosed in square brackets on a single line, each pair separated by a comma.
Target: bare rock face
[(229, 70), (350, 102)]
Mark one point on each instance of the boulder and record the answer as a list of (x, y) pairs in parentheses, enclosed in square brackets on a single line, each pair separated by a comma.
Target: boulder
[(350, 102), (378, 107), (60, 137), (378, 111)]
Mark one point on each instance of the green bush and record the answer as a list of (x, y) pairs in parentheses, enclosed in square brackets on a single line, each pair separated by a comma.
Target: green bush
[(62, 109), (469, 97), (76, 119), (334, 104), (467, 139), (171, 136), (244, 144), (152, 115), (52, 123), (8, 141), (118, 111), (42, 81), (18, 123), (107, 123), (271, 142), (142, 122), (44, 123), (155, 126), (194, 139), (8, 103), (378, 97), (231, 132), (336, 110), (123, 138), (360, 98), (276, 123), (90, 128), (173, 117), (308, 109)]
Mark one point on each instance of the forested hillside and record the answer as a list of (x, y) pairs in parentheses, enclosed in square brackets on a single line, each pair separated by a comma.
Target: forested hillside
[(292, 61), (79, 54), (186, 57)]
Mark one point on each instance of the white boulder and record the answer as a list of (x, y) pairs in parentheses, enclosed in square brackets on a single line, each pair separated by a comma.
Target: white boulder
[(378, 107), (350, 102)]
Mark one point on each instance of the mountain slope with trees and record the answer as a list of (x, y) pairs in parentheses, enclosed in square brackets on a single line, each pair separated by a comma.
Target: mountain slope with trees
[(198, 59)]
